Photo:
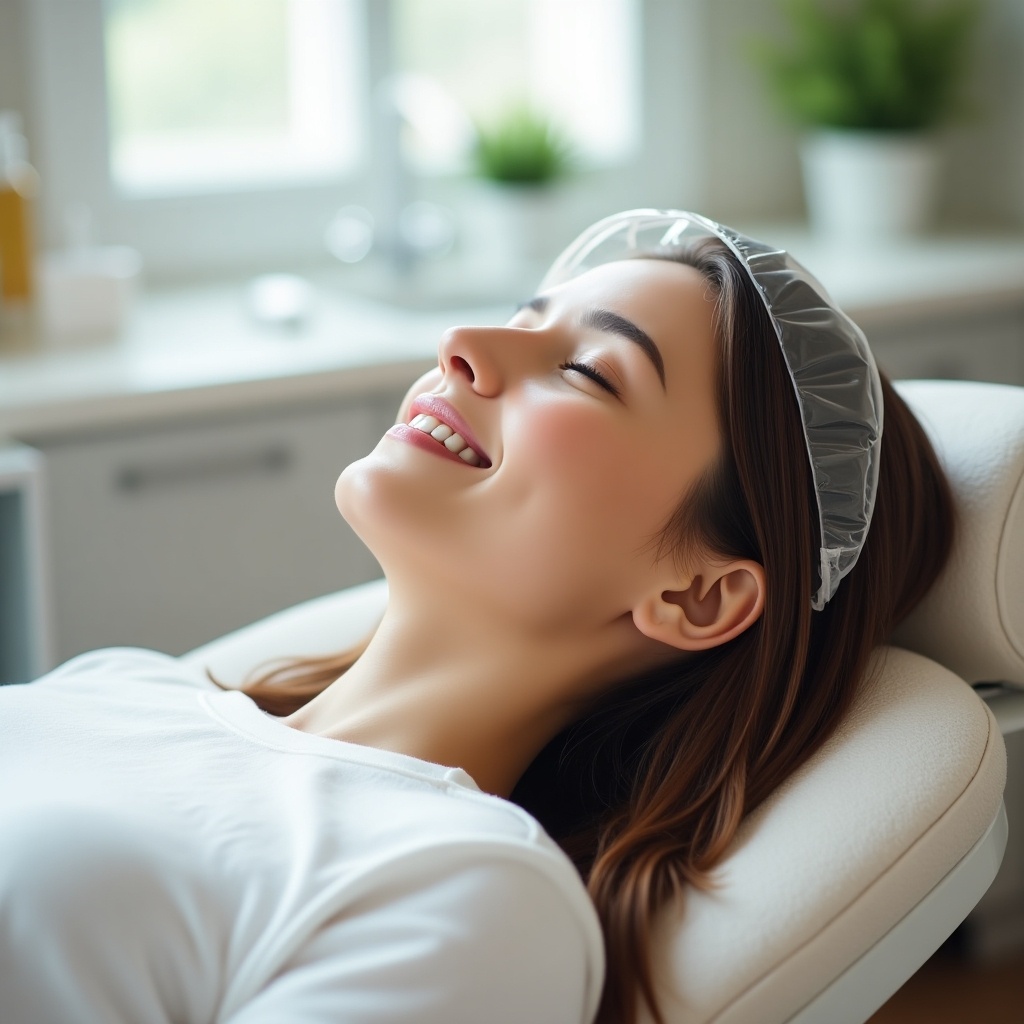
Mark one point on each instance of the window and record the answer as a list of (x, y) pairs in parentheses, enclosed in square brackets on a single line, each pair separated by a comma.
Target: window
[(187, 112), (221, 136), (578, 60)]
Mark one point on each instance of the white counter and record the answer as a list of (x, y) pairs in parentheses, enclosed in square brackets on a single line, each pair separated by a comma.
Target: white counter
[(196, 351), (884, 283)]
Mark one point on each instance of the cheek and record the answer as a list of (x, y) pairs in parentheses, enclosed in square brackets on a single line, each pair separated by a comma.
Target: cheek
[(590, 474), (428, 382)]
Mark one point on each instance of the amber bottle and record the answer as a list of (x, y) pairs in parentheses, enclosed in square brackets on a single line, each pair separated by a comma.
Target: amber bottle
[(18, 188)]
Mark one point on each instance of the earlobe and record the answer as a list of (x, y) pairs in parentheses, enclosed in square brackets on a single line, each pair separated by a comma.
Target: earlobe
[(713, 607)]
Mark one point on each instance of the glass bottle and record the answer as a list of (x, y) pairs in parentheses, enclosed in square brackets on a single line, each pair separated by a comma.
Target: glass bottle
[(19, 185)]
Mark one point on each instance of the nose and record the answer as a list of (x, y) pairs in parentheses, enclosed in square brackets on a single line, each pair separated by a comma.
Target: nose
[(482, 357)]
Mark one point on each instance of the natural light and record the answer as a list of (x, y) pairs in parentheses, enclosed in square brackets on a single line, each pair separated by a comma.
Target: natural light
[(234, 94), (223, 95), (576, 60)]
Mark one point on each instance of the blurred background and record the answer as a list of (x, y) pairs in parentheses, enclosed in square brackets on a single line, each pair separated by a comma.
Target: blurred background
[(222, 137), (232, 232)]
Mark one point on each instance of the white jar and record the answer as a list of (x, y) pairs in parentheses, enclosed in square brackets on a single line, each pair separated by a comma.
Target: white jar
[(868, 184), (87, 294)]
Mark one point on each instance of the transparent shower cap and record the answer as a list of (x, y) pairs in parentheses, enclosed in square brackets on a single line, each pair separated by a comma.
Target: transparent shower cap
[(834, 375)]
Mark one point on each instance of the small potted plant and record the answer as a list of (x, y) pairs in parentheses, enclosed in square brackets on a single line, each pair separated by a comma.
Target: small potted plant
[(521, 148), (519, 158), (871, 81)]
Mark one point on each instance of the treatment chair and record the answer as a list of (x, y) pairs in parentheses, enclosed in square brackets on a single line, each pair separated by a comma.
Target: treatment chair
[(842, 883)]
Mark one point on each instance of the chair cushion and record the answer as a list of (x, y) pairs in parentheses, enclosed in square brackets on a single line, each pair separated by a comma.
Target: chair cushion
[(972, 620), (840, 852), (322, 625)]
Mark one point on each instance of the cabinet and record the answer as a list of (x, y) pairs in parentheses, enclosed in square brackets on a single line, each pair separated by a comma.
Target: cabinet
[(24, 606), (166, 537), (984, 345)]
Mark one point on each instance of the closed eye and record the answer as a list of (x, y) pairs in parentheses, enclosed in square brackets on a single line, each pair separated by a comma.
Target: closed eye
[(593, 373)]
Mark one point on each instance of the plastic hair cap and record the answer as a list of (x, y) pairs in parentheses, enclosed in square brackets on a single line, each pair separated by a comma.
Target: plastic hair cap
[(837, 385)]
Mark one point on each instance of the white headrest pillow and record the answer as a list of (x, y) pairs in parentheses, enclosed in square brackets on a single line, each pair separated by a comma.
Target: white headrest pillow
[(972, 620)]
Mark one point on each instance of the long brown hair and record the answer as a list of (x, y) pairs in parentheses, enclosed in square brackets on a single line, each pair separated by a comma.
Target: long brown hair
[(646, 791)]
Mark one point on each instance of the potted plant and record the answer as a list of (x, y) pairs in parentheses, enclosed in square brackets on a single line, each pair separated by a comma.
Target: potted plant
[(521, 148), (519, 158), (870, 81)]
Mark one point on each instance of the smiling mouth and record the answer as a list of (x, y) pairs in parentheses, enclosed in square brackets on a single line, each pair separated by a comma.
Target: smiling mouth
[(444, 435)]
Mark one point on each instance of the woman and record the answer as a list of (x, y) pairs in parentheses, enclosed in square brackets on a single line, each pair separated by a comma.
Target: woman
[(614, 533)]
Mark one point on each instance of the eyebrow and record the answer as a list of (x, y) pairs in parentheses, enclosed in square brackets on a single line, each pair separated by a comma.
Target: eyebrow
[(611, 323)]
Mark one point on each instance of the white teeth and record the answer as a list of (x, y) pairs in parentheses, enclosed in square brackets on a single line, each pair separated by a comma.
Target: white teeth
[(455, 443)]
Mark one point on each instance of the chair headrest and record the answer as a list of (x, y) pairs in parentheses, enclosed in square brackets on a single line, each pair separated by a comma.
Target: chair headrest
[(972, 620)]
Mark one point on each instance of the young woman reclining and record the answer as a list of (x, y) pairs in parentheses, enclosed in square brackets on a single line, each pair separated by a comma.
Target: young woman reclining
[(632, 588)]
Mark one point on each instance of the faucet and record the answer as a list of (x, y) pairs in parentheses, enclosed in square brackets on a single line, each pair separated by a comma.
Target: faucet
[(406, 230)]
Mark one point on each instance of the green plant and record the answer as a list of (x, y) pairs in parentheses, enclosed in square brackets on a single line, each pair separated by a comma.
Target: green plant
[(521, 147), (891, 65)]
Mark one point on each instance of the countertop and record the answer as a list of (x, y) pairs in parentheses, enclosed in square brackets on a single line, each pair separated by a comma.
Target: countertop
[(197, 351), (883, 283)]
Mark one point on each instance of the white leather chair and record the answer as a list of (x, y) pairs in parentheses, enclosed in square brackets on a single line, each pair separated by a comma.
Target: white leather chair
[(857, 869)]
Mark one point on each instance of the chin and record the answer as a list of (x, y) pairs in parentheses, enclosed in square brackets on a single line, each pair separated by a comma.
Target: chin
[(355, 495), (374, 496)]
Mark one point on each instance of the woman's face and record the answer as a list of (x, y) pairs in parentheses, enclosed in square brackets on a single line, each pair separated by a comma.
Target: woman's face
[(576, 476)]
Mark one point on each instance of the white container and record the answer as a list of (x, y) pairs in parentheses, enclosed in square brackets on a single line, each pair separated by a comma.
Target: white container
[(863, 185), (87, 293), (512, 232)]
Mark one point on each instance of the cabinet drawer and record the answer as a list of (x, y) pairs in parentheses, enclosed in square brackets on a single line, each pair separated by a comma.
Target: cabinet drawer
[(170, 538)]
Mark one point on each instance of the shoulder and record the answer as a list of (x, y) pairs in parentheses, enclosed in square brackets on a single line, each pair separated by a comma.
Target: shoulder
[(116, 665), (519, 908), (496, 836), (530, 934), (464, 931)]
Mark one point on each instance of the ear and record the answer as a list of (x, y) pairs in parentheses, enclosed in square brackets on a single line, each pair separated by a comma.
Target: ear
[(713, 606)]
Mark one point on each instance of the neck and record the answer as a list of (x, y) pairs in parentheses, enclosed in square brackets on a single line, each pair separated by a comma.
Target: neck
[(442, 684)]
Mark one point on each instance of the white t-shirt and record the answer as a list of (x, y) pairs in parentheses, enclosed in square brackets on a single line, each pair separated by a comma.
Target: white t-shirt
[(169, 852)]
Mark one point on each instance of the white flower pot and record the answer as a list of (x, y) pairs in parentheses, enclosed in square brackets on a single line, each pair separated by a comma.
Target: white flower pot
[(510, 230), (866, 185)]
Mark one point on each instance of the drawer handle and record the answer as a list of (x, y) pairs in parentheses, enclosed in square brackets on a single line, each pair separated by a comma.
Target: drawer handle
[(268, 461)]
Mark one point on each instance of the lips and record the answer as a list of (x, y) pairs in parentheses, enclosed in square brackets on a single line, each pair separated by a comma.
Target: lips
[(434, 425), (434, 405)]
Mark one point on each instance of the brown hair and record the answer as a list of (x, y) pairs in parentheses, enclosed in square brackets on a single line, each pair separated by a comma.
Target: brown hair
[(646, 791)]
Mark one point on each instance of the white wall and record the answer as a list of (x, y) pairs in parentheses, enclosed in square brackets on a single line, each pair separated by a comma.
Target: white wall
[(986, 151), (753, 172), (14, 87)]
